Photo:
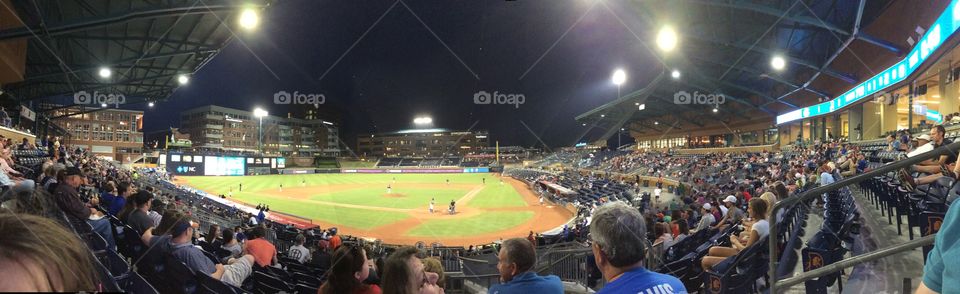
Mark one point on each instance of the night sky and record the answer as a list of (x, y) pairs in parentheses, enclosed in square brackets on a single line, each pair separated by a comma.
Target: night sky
[(400, 70)]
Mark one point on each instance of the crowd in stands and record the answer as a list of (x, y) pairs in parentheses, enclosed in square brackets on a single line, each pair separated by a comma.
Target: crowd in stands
[(92, 210)]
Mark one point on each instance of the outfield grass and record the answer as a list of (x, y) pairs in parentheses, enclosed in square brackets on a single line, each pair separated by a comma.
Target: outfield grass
[(369, 190), (484, 223), (412, 197), (352, 217)]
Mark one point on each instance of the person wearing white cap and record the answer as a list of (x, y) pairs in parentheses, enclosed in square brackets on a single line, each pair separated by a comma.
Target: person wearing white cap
[(733, 213), (923, 146), (706, 217)]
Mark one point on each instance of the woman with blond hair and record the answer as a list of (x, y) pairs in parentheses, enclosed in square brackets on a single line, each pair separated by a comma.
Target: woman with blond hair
[(49, 259)]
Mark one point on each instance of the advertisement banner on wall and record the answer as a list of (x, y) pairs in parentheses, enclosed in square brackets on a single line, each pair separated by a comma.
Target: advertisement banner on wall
[(184, 165)]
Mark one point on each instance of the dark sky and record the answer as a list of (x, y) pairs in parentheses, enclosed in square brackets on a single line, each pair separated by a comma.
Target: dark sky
[(400, 70)]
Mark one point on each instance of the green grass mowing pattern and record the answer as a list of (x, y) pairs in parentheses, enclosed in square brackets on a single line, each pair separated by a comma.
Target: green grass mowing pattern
[(495, 195), (492, 195), (352, 217), (487, 222), (413, 197)]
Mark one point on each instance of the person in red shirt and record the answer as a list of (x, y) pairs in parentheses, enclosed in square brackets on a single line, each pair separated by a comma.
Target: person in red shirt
[(264, 253), (335, 240), (746, 194), (348, 273)]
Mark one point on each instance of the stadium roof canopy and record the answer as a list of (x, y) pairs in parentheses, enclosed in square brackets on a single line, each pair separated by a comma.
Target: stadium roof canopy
[(147, 44), (726, 46)]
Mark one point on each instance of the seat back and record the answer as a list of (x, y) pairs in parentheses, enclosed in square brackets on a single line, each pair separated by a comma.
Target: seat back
[(209, 285), (182, 278), (135, 283)]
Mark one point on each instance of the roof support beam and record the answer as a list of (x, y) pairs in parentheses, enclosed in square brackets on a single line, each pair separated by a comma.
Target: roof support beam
[(847, 77), (102, 21), (881, 43), (856, 31), (758, 73), (122, 62), (773, 11)]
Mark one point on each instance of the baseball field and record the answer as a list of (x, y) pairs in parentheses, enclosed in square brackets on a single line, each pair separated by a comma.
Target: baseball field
[(396, 207)]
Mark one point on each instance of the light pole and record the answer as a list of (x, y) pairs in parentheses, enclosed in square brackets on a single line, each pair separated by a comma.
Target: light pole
[(619, 76), (260, 113)]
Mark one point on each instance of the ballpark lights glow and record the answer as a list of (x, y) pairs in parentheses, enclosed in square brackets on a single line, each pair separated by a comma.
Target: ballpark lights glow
[(425, 120), (778, 63), (249, 19), (667, 39), (105, 72)]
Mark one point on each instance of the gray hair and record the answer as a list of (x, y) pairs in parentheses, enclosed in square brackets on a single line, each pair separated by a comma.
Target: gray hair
[(620, 231), (521, 252)]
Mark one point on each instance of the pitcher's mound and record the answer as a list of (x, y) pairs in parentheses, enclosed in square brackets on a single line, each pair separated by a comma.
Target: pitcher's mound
[(394, 195)]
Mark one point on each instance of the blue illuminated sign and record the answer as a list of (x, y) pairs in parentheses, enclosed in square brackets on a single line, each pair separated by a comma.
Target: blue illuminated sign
[(945, 26)]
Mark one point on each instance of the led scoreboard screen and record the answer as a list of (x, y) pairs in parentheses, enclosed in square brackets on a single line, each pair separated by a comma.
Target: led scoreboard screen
[(223, 166)]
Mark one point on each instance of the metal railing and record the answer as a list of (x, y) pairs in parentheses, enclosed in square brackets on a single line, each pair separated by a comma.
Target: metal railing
[(568, 264), (855, 260)]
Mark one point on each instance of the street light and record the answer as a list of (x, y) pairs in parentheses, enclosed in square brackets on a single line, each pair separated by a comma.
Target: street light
[(260, 113), (619, 76)]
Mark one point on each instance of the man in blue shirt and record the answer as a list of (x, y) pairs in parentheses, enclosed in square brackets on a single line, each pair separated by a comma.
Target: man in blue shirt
[(941, 273), (515, 263), (617, 232), (124, 191)]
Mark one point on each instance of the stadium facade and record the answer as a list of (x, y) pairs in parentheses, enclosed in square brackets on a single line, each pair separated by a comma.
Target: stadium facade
[(220, 128), (115, 134), (422, 143)]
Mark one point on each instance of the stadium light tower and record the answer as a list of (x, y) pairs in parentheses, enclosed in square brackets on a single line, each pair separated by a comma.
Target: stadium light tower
[(619, 76), (105, 72), (667, 39), (260, 113), (249, 19), (778, 62)]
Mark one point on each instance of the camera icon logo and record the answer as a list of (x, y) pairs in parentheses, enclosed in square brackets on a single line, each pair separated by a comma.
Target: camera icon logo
[(682, 97), (282, 97), (82, 97), (482, 97)]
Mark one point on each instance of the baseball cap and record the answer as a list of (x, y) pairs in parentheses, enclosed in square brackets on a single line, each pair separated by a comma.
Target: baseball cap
[(707, 206), (924, 137), (731, 199)]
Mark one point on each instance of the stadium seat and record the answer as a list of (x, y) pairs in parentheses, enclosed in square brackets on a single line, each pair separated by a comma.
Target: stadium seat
[(106, 281), (266, 283), (209, 285), (306, 279), (739, 273), (133, 282), (306, 289), (182, 279)]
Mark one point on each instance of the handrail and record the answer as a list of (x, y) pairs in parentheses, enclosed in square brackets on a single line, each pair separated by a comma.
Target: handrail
[(810, 194), (856, 260)]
